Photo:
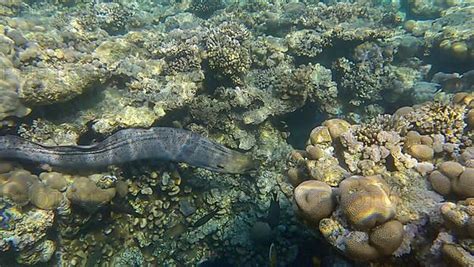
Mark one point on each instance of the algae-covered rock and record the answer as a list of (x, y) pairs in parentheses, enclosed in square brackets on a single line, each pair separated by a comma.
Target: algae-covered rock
[(128, 256), (10, 104), (40, 253), (45, 86)]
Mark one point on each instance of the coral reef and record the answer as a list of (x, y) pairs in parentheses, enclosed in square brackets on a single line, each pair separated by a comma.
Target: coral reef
[(252, 75), (10, 8), (398, 171), (205, 8), (448, 36), (227, 51)]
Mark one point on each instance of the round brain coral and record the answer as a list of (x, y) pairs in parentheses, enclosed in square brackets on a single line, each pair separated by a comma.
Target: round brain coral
[(358, 248), (320, 135), (366, 201), (387, 237), (315, 200), (464, 185), (451, 169), (337, 127), (381, 241), (440, 183)]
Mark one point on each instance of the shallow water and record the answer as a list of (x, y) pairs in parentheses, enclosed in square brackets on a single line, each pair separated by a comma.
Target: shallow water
[(264, 79)]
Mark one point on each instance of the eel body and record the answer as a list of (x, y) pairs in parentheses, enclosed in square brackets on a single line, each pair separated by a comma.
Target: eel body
[(161, 143)]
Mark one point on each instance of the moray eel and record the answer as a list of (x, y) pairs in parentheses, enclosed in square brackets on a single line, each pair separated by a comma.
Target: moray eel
[(161, 143)]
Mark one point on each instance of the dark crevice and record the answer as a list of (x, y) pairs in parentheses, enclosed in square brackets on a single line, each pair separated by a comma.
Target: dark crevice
[(301, 122)]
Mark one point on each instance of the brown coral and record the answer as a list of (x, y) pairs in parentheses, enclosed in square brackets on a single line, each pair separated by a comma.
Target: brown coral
[(437, 118), (320, 135), (358, 248), (44, 197), (459, 217), (315, 200), (381, 241), (452, 177), (17, 186), (440, 183), (456, 255), (451, 169), (464, 185), (387, 237), (86, 194), (366, 201), (421, 152), (336, 127), (227, 53), (54, 180)]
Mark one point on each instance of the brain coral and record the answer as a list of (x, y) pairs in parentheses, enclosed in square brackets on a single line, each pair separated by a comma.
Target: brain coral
[(45, 197), (366, 201), (315, 200), (17, 186)]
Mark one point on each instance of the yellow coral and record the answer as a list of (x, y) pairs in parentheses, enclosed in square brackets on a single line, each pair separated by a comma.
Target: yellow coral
[(366, 201), (315, 200)]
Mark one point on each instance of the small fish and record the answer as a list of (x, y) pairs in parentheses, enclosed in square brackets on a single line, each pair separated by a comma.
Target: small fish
[(204, 219), (273, 216), (272, 256)]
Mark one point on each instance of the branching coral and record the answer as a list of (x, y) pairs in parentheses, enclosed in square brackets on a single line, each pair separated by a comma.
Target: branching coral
[(227, 52)]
